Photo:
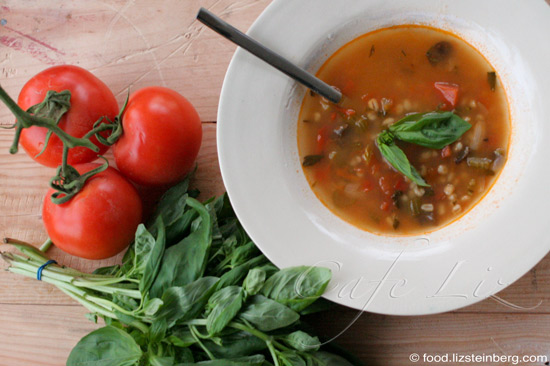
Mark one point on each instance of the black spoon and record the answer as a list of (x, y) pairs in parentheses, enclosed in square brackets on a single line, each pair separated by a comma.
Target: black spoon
[(267, 55)]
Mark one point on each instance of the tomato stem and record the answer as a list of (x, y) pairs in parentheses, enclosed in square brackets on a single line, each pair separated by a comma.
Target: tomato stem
[(68, 181), (26, 120), (114, 126), (46, 245)]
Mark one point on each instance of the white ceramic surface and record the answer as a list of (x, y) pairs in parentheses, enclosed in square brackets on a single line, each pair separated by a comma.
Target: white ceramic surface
[(493, 245)]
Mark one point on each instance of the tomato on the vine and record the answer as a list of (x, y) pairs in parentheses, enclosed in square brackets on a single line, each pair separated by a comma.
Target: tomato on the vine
[(90, 99), (100, 221), (161, 139)]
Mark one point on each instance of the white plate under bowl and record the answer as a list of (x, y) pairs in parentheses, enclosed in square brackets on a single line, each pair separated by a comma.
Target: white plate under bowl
[(493, 245)]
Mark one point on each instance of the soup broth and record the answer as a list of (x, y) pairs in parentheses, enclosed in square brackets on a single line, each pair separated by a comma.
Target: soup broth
[(385, 76)]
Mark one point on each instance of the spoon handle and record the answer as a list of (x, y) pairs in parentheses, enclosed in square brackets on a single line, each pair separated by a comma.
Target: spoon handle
[(267, 55)]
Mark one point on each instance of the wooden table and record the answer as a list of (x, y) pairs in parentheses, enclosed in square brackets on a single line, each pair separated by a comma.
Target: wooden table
[(140, 43)]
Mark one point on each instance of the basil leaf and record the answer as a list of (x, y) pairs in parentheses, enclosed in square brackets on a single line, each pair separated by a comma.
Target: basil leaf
[(107, 346), (434, 130), (181, 337), (329, 359), (269, 268), (291, 358), (184, 303), (319, 305), (267, 314), (256, 360), (244, 253), (172, 208), (155, 360), (125, 301), (127, 262), (107, 271), (157, 331), (124, 318), (254, 281), (150, 255), (237, 274), (184, 355), (151, 306), (397, 158), (301, 341), (189, 256), (223, 208), (297, 287), (225, 305), (143, 244), (237, 344)]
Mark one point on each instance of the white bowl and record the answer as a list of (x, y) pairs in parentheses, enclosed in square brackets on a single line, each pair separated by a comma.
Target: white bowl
[(490, 247)]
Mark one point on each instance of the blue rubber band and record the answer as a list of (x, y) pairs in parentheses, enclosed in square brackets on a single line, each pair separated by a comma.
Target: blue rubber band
[(41, 268)]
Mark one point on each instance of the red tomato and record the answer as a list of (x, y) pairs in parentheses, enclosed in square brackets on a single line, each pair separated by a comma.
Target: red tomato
[(366, 186), (446, 152), (161, 139), (385, 205), (347, 111), (100, 221), (385, 185), (400, 184), (449, 91), (90, 100), (322, 138)]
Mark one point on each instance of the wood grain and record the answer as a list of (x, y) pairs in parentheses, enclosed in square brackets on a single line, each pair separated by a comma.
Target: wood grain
[(35, 335), (124, 43), (135, 43), (381, 340)]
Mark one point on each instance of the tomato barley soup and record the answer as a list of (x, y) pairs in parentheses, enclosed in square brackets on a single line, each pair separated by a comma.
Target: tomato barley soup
[(385, 76)]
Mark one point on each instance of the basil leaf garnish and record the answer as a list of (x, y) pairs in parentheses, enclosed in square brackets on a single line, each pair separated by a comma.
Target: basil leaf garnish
[(434, 130), (397, 158)]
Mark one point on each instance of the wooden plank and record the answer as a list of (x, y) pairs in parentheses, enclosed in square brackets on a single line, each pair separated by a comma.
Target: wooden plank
[(390, 340), (529, 294), (39, 335)]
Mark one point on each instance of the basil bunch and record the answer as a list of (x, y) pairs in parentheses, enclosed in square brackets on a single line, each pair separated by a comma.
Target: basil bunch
[(193, 289), (434, 130)]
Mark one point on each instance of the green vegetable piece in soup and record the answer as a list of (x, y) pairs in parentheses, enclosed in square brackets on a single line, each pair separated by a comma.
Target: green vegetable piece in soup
[(312, 160), (434, 130), (439, 52), (492, 80)]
